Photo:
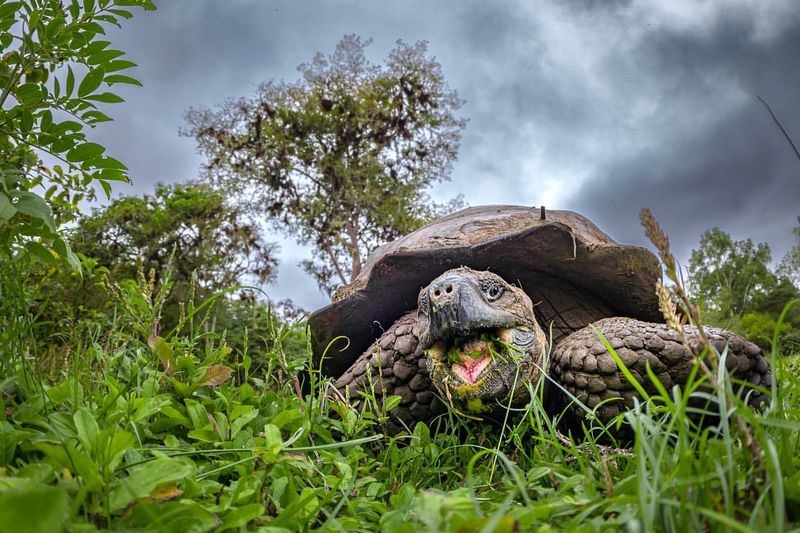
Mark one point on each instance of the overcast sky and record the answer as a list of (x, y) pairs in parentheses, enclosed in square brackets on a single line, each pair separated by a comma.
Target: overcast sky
[(598, 107)]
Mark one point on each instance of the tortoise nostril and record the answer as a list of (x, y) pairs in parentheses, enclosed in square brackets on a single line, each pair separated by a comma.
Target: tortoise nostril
[(437, 292), (449, 289)]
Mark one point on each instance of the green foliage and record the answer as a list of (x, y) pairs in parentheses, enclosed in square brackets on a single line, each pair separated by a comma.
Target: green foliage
[(737, 289), (210, 244), (728, 276), (56, 69), (790, 264), (181, 432), (341, 159)]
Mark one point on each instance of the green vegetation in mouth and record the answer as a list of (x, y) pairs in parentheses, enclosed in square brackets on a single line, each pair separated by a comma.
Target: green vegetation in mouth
[(479, 345)]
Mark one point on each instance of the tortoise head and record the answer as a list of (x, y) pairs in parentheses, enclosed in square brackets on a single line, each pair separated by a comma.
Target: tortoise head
[(481, 338)]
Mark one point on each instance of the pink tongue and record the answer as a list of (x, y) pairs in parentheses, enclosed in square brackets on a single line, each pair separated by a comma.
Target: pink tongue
[(470, 369)]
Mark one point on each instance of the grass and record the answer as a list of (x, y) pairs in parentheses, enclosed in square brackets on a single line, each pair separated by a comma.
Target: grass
[(139, 432)]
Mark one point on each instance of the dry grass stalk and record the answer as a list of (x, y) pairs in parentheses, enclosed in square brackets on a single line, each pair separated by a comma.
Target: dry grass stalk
[(675, 293)]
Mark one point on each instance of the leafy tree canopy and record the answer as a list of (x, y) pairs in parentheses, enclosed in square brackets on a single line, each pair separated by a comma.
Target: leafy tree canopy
[(341, 158), (790, 264), (730, 277), (211, 240), (56, 72)]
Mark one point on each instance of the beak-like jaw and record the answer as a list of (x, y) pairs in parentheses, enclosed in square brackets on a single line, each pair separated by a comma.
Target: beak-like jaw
[(481, 337)]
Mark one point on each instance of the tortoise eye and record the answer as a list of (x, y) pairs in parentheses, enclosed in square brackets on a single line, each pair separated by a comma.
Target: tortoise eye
[(493, 291)]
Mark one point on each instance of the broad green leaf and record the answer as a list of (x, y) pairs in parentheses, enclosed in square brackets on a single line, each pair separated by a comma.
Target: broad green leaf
[(8, 442), (242, 421), (26, 121), (33, 509), (84, 152), (391, 402), (109, 163), (87, 428), (64, 250), (217, 375), (103, 56), (84, 466), (164, 352), (273, 438), (8, 10), (146, 478), (204, 435), (121, 442), (197, 414), (34, 206), (91, 81), (7, 209), (46, 120), (172, 516), (239, 516), (42, 253)]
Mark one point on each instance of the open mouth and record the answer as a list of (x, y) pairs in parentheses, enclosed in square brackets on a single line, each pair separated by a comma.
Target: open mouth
[(470, 358)]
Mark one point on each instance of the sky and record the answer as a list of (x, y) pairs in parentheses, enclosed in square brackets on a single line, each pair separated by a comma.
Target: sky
[(597, 107)]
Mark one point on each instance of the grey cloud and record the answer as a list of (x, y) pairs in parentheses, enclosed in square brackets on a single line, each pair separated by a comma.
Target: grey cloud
[(598, 107)]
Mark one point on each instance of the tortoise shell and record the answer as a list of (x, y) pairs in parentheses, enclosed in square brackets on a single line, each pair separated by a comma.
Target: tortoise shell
[(574, 273)]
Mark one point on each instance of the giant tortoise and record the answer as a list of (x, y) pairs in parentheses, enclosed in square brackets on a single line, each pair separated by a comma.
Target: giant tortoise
[(471, 308)]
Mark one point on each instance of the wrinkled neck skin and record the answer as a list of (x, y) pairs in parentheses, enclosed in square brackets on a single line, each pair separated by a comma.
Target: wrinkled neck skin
[(482, 341)]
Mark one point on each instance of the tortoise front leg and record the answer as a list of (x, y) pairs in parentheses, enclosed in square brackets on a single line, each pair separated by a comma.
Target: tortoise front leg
[(394, 365), (582, 365)]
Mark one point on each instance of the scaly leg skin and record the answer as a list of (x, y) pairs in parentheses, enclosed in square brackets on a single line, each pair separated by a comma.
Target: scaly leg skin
[(581, 364), (394, 365)]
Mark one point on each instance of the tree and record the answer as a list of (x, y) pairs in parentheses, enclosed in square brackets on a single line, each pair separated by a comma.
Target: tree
[(730, 277), (211, 240), (340, 159), (52, 74), (789, 267)]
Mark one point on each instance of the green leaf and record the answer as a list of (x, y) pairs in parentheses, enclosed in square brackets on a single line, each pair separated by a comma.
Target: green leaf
[(164, 352), (109, 163), (107, 98), (84, 151), (7, 209), (42, 253), (204, 435), (46, 120), (217, 375), (111, 79), (145, 479), (64, 250), (237, 517), (70, 82), (104, 56), (391, 402), (106, 189), (8, 442), (8, 10), (91, 81), (242, 421), (26, 121), (36, 509), (87, 428), (120, 64), (34, 206), (171, 516)]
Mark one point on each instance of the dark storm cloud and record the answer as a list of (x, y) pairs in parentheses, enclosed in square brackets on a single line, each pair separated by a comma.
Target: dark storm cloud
[(732, 169), (600, 107)]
